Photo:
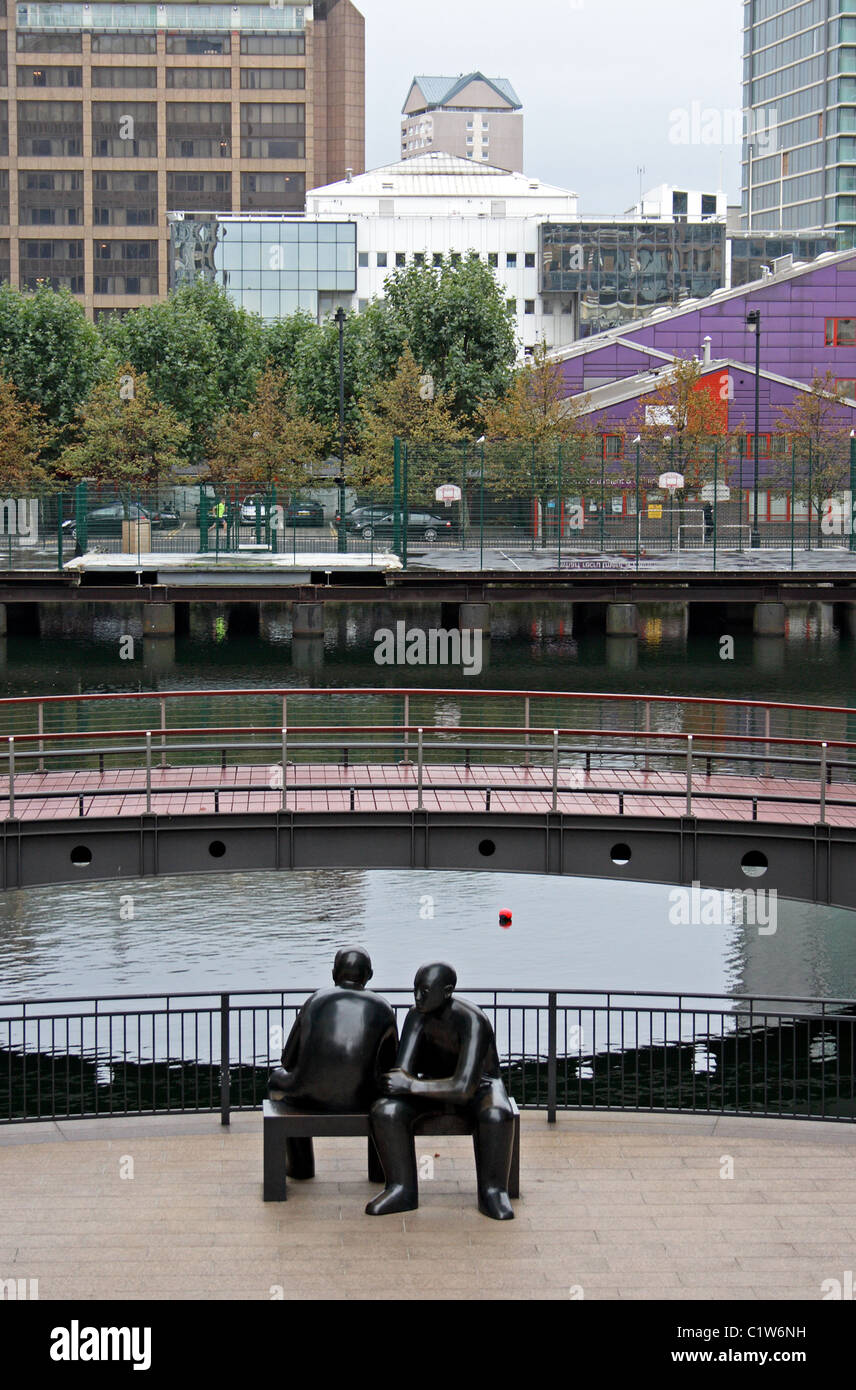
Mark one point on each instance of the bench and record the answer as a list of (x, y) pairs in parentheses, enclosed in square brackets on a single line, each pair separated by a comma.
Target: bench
[(282, 1122)]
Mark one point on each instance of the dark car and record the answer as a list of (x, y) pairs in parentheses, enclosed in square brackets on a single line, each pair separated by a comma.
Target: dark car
[(363, 516), (303, 514), (166, 518), (425, 525), (106, 521)]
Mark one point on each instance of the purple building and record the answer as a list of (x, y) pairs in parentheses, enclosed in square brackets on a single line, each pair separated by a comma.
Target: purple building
[(808, 326)]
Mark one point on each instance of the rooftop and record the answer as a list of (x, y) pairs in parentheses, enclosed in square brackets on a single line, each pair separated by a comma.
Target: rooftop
[(439, 91), (437, 174)]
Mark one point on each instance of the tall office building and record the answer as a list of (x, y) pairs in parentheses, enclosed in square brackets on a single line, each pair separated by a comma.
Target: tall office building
[(472, 116), (799, 106), (114, 115)]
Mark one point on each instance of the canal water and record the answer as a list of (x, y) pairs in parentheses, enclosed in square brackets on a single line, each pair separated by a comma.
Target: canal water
[(259, 930)]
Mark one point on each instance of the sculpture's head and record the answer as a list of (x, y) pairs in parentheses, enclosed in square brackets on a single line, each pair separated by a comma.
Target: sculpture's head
[(352, 968), (433, 987)]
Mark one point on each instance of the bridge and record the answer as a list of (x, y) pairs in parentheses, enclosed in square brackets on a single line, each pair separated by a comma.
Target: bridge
[(730, 794)]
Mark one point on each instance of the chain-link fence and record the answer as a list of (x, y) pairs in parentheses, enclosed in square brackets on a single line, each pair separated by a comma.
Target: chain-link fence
[(480, 504)]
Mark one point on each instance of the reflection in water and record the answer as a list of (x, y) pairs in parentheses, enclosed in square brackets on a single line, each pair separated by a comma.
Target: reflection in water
[(251, 931)]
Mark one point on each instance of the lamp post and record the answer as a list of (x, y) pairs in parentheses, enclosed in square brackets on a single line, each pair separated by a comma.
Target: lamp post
[(753, 319), (339, 319)]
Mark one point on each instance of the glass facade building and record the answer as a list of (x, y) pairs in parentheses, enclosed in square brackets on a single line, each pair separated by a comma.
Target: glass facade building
[(269, 265), (799, 116), (620, 271), (113, 116)]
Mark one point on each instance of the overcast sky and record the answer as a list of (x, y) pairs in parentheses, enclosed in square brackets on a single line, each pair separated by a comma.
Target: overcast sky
[(600, 81)]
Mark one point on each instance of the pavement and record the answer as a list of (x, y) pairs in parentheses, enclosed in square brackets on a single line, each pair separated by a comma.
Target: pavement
[(612, 1206)]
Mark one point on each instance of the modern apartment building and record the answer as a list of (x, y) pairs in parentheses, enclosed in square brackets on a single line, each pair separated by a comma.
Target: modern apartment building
[(799, 107), (471, 116), (114, 115)]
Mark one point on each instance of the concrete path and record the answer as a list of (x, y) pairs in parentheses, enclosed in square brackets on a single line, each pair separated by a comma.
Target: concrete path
[(613, 1207)]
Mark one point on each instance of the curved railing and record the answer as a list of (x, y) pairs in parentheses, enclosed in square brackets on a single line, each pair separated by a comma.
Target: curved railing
[(559, 1049), (285, 741)]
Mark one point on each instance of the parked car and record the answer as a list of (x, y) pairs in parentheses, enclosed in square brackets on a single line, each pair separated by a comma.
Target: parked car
[(304, 514), (425, 525), (106, 521), (166, 518), (363, 515)]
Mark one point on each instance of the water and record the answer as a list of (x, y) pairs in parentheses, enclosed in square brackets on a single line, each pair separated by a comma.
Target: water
[(251, 931)]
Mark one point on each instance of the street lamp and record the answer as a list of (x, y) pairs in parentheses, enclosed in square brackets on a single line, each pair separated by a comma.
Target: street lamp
[(339, 318), (753, 320)]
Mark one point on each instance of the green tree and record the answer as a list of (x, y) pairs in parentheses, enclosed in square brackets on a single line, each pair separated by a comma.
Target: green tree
[(819, 433), (269, 442), (459, 326), (683, 427), (128, 438), (404, 406), (51, 353), (198, 352)]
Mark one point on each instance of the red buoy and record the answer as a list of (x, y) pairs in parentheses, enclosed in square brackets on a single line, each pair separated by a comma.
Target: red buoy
[(505, 919)]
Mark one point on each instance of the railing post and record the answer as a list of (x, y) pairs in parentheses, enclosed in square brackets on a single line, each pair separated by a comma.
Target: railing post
[(41, 731), (552, 1021), (11, 777), (419, 772), (766, 740), (823, 748), (526, 726), (689, 774), (555, 769), (284, 767), (647, 732), (163, 731), (406, 727), (225, 1075), (148, 771)]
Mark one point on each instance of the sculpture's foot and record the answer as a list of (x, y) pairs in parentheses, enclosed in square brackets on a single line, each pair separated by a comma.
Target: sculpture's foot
[(276, 1095), (392, 1199), (496, 1203)]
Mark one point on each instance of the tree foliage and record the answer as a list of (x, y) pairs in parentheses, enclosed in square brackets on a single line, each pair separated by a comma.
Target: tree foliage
[(24, 438), (50, 352), (127, 437), (270, 441), (407, 407), (682, 426)]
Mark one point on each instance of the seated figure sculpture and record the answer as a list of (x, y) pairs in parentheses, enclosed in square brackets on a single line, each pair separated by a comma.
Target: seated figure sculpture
[(342, 1042), (447, 1064)]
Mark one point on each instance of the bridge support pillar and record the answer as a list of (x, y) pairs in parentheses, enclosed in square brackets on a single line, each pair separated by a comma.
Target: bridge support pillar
[(2, 620), (622, 620), (158, 620), (308, 619), (848, 611), (768, 620), (474, 615), (307, 654)]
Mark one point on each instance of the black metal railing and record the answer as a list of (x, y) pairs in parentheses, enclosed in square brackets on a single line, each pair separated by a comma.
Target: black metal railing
[(559, 1050)]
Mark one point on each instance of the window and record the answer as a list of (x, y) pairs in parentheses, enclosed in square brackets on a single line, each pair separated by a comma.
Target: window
[(363, 259), (201, 44), (847, 387), (530, 260), (273, 192), (55, 263), (50, 128), (456, 258), (381, 259), (419, 258), (400, 258), (493, 258), (125, 267), (293, 45), (124, 129), (124, 77), (124, 43), (437, 258), (198, 130), (50, 77), (50, 43), (50, 199), (123, 198), (274, 79), (529, 306), (198, 77), (273, 130), (708, 202), (841, 332), (511, 261), (763, 446), (206, 192), (613, 446)]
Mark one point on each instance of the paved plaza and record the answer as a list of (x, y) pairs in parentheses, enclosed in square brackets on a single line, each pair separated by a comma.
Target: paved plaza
[(612, 1206)]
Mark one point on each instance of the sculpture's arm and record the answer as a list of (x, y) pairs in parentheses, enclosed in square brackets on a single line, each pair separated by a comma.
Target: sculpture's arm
[(407, 1048), (292, 1046), (463, 1083), (386, 1052)]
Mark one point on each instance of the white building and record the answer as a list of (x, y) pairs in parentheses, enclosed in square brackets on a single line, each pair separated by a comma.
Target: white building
[(438, 204), (669, 203)]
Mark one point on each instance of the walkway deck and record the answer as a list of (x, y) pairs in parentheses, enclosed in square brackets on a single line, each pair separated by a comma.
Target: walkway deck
[(186, 790), (613, 1207)]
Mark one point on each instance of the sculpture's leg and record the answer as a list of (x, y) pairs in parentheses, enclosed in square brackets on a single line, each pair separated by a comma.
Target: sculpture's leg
[(279, 1083), (299, 1159), (392, 1130), (376, 1173), (493, 1140)]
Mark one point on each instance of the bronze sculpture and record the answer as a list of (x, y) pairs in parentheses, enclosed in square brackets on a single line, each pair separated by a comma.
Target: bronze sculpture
[(447, 1063), (343, 1040)]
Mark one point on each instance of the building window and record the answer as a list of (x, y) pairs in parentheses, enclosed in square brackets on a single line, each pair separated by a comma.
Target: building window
[(847, 387), (205, 192), (125, 267), (123, 198), (124, 129), (50, 43), (419, 258), (841, 332), (273, 192), (708, 202), (49, 129), (363, 259), (613, 446), (198, 130), (529, 306), (50, 77), (198, 77), (273, 130), (530, 260), (511, 261), (381, 260), (456, 258), (201, 45), (124, 43), (274, 79), (437, 258), (124, 77), (50, 199), (400, 258), (493, 259), (58, 264), (293, 45)]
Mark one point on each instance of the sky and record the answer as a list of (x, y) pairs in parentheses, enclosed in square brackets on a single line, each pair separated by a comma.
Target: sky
[(606, 85)]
